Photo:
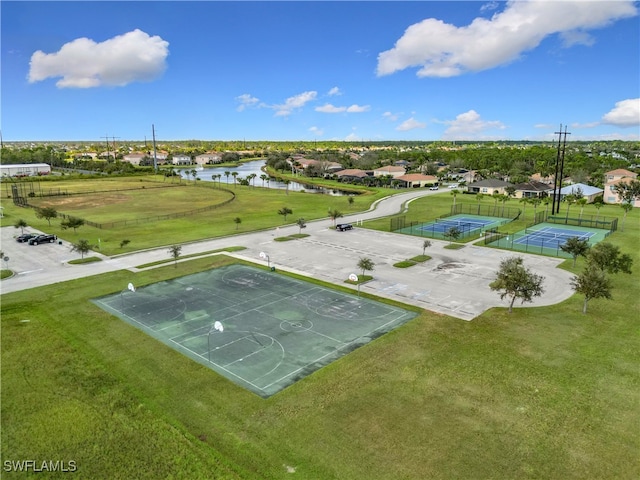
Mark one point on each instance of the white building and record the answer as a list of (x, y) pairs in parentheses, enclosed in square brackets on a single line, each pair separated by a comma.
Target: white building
[(25, 170)]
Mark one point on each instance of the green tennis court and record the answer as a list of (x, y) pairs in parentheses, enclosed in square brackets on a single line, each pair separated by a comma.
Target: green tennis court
[(260, 329)]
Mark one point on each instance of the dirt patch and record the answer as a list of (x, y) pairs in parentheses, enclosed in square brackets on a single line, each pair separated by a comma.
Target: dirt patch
[(450, 266), (85, 201)]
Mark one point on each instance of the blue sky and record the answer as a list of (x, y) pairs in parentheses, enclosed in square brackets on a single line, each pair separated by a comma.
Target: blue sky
[(298, 70)]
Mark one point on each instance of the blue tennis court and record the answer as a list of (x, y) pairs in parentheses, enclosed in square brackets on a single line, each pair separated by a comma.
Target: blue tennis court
[(550, 237), (464, 223)]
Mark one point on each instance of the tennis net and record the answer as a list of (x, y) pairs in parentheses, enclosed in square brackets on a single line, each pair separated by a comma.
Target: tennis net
[(460, 223), (558, 236)]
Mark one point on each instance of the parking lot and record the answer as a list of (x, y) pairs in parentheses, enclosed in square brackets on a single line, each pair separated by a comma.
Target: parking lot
[(453, 282)]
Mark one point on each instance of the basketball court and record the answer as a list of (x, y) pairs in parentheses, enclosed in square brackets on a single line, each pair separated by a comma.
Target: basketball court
[(262, 330)]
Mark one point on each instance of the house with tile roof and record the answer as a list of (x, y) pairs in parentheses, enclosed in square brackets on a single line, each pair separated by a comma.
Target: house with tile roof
[(614, 178), (351, 174), (533, 189), (417, 180), (489, 186), (393, 170)]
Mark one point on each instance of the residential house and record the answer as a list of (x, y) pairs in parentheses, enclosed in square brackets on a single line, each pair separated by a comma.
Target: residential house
[(533, 189), (612, 179), (208, 158), (417, 180), (538, 177), (181, 159), (611, 193), (351, 174), (134, 158), (394, 171), (489, 186), (587, 191)]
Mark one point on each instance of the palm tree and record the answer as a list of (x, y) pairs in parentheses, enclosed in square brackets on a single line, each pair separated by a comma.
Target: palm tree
[(426, 244), (264, 177), (21, 224), (454, 192), (365, 264), (582, 202), (252, 177), (334, 215), (226, 174), (237, 221), (627, 207), (546, 201), (524, 201), (301, 224), (479, 197), (234, 175), (598, 206)]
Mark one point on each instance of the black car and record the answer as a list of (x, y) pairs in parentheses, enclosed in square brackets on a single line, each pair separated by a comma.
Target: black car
[(341, 227), (25, 237), (42, 239)]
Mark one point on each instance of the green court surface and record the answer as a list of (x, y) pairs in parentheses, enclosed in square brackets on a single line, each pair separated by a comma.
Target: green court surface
[(546, 238), (467, 224), (273, 330)]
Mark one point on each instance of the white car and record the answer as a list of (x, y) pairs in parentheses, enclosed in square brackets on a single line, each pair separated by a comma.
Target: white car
[(434, 187), (453, 185)]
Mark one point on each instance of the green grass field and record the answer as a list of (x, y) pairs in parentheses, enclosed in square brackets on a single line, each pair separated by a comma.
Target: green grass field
[(542, 393), (118, 200)]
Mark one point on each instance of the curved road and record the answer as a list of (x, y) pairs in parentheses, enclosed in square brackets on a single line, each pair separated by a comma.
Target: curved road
[(453, 282)]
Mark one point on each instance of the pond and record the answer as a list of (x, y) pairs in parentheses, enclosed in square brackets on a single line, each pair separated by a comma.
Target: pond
[(249, 168)]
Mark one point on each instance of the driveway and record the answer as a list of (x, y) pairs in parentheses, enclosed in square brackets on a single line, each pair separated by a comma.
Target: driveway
[(453, 282)]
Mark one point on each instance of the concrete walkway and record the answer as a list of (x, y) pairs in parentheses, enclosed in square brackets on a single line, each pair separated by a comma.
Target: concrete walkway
[(453, 282)]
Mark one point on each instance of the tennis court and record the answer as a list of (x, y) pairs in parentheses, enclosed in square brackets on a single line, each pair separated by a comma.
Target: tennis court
[(545, 238), (262, 330), (466, 224), (552, 237)]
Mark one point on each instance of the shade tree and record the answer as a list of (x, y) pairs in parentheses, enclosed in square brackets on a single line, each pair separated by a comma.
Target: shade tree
[(515, 281)]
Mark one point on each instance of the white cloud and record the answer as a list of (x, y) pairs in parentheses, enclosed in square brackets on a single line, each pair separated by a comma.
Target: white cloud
[(118, 61), (444, 50), (489, 6), (334, 91), (317, 131), (352, 137), (295, 102), (392, 117), (626, 113), (246, 101), (410, 124), (469, 125), (328, 108), (358, 108), (585, 125)]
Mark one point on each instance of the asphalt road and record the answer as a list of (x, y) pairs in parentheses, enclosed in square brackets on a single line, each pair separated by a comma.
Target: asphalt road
[(453, 282)]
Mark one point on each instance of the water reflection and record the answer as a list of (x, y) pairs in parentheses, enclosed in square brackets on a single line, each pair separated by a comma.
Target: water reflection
[(210, 174)]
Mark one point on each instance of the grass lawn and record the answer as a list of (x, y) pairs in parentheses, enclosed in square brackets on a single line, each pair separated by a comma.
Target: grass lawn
[(540, 393), (124, 199)]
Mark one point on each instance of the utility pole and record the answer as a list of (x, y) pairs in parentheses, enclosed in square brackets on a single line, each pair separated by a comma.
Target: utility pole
[(107, 141), (155, 155), (114, 147), (557, 181)]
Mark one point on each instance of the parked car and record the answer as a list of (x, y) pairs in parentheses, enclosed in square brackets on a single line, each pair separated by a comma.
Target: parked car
[(341, 227), (46, 238), (454, 185), (434, 187), (25, 237)]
